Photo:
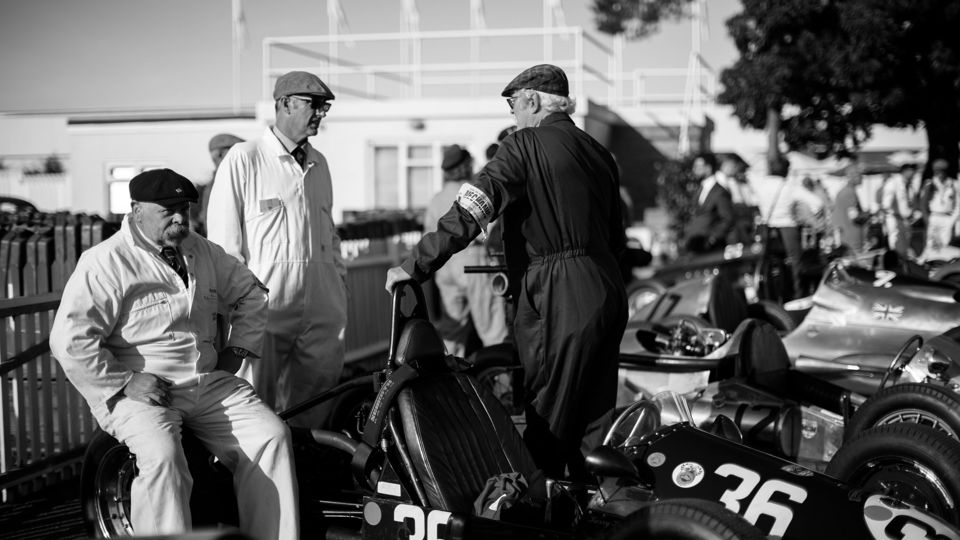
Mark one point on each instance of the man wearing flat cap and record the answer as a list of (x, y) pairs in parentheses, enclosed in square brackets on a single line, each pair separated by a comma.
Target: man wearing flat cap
[(218, 147), (557, 191), (271, 208), (468, 300), (135, 334)]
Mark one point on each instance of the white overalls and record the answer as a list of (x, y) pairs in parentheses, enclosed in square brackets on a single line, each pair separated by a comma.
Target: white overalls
[(125, 310), (276, 218)]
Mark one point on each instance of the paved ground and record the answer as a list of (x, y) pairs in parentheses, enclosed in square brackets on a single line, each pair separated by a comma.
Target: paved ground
[(52, 515)]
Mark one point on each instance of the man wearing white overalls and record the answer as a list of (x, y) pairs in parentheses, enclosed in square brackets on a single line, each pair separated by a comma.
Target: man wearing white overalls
[(135, 334), (270, 207)]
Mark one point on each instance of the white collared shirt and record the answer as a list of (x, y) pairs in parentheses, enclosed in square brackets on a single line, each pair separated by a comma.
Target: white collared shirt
[(705, 186)]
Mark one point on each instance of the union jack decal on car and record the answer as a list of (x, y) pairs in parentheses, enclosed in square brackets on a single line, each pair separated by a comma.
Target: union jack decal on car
[(887, 312)]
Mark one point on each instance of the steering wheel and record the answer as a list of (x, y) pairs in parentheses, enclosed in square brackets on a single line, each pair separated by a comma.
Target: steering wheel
[(901, 360)]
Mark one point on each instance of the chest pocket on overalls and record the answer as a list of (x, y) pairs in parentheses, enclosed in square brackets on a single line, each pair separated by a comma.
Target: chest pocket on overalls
[(268, 221), (145, 318)]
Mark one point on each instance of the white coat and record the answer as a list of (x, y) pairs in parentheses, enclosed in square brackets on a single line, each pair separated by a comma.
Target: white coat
[(125, 310), (276, 218)]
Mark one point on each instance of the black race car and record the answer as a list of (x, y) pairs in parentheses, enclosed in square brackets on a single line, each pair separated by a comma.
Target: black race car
[(435, 456)]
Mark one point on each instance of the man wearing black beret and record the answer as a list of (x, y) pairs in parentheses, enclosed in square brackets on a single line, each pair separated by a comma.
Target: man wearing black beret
[(135, 334), (557, 190)]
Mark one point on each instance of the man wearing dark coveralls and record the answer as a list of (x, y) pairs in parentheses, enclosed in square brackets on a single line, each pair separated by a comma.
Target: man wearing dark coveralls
[(558, 192)]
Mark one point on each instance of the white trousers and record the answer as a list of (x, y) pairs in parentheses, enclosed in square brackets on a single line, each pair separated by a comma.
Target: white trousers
[(303, 349), (467, 297), (230, 420), (898, 234), (939, 231)]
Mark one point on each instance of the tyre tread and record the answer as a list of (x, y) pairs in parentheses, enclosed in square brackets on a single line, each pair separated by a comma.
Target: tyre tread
[(899, 395), (722, 522)]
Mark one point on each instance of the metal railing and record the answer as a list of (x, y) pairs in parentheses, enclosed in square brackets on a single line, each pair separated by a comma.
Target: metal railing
[(475, 62), (44, 421)]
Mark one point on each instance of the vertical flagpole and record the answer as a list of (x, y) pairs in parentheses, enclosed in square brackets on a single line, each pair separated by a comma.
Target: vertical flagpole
[(333, 30), (474, 60), (235, 35), (476, 23), (547, 37), (691, 97), (411, 16), (617, 77)]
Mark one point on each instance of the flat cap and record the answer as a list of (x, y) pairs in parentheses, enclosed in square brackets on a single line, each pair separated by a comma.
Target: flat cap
[(301, 83), (546, 78), (162, 186), (223, 140), (454, 155)]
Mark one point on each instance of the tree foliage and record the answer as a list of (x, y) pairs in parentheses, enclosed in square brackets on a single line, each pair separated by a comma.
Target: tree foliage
[(677, 189), (636, 19), (834, 68)]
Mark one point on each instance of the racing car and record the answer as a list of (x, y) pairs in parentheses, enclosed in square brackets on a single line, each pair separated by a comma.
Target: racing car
[(434, 446), (747, 376), (848, 331), (417, 466)]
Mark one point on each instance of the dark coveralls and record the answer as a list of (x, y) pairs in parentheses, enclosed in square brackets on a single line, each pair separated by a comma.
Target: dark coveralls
[(559, 188)]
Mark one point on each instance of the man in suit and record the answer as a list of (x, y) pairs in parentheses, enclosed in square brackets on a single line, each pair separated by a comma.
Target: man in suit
[(712, 221)]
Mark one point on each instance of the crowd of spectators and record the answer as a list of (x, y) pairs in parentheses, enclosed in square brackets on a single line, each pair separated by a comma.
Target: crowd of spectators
[(916, 217)]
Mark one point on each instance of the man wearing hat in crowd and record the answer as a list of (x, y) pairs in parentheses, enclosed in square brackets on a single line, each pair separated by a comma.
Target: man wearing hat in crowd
[(218, 146), (557, 190), (273, 201), (468, 300), (898, 213), (135, 334)]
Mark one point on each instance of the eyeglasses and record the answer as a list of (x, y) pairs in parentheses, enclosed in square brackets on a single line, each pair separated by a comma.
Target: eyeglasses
[(511, 101), (316, 104)]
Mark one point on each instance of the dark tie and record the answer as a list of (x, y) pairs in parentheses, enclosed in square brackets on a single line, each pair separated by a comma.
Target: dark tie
[(169, 254), (300, 155)]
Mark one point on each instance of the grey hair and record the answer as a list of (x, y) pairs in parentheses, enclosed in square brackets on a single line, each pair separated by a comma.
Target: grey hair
[(554, 103)]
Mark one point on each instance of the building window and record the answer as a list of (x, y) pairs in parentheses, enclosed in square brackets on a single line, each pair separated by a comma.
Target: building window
[(406, 175), (118, 185)]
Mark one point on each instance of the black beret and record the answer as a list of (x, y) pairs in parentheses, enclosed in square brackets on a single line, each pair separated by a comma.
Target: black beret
[(162, 186), (454, 155), (543, 77), (303, 84)]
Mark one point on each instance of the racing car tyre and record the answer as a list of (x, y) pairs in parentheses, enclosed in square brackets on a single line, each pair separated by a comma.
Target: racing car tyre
[(108, 469), (773, 313), (918, 403), (638, 291), (913, 463), (685, 519), (107, 474)]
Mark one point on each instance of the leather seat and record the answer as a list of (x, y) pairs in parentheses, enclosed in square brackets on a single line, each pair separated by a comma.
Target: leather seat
[(458, 436), (727, 306), (419, 344), (761, 350)]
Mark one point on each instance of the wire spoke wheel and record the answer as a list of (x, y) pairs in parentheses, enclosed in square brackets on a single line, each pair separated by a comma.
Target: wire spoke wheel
[(917, 416)]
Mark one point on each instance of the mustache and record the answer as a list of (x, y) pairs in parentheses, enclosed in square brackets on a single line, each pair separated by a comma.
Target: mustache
[(177, 230)]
